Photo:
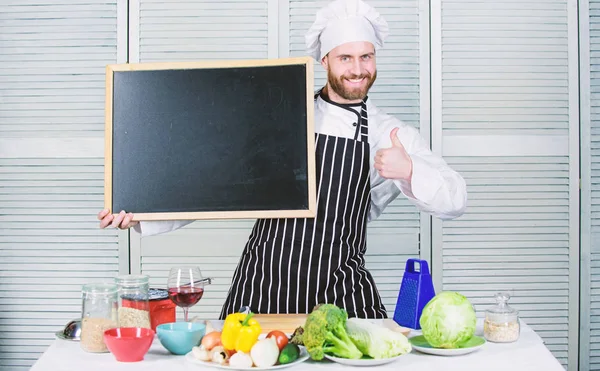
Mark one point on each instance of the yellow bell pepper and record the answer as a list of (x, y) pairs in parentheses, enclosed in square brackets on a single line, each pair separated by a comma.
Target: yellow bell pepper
[(240, 332)]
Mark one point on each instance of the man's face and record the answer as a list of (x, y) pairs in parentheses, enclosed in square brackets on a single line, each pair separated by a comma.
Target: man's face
[(351, 71)]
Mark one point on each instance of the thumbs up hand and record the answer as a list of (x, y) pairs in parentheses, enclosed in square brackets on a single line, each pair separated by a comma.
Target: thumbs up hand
[(394, 162)]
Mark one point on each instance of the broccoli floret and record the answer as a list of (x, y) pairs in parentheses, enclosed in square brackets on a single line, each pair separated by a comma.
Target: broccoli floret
[(325, 333)]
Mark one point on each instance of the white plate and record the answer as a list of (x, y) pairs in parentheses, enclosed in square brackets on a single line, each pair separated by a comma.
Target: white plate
[(303, 357), (362, 362), (420, 344)]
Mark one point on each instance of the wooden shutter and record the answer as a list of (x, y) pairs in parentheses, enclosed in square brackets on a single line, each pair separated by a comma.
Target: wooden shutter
[(196, 31), (590, 192), (51, 167), (395, 235), (505, 116)]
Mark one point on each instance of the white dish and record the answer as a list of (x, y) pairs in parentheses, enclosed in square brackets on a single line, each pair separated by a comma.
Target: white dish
[(362, 361), (303, 357)]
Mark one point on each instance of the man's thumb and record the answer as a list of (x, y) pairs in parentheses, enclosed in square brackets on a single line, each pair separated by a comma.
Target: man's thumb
[(395, 141)]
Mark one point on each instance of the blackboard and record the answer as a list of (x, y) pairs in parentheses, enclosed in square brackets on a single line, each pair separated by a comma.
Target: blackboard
[(210, 140)]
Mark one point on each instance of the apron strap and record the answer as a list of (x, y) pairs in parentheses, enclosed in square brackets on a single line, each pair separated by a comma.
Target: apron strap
[(362, 129)]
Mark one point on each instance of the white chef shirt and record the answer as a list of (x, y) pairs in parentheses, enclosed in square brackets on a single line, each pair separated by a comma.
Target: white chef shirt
[(435, 188)]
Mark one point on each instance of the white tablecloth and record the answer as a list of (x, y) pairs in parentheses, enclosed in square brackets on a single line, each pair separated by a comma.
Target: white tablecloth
[(527, 354)]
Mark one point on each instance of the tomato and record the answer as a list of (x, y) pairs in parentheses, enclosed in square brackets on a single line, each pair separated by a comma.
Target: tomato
[(280, 338)]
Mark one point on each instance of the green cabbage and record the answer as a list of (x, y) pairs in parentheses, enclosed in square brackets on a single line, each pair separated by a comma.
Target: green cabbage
[(448, 320), (376, 341)]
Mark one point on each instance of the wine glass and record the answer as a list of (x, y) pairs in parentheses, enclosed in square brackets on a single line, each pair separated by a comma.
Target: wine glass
[(186, 286)]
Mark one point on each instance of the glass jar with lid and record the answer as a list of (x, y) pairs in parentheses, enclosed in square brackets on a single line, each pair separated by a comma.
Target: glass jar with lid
[(98, 314), (134, 304), (501, 324)]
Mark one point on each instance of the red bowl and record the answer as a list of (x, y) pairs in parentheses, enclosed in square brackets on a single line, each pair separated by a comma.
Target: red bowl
[(128, 344)]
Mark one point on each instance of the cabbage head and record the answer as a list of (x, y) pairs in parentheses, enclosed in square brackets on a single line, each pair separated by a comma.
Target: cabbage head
[(448, 320)]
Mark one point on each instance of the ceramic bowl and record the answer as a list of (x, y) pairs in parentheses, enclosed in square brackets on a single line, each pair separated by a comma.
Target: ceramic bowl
[(128, 344), (180, 337)]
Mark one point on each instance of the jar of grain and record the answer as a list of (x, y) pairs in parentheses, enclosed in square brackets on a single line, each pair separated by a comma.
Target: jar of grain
[(134, 305), (501, 324), (98, 314)]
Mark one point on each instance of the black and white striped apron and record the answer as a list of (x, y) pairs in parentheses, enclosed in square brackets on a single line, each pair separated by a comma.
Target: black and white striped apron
[(291, 265)]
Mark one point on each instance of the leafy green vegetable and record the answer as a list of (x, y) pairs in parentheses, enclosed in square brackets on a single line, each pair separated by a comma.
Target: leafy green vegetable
[(448, 320), (376, 341), (325, 333), (296, 337)]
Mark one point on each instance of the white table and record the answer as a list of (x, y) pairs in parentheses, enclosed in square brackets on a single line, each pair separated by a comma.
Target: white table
[(527, 354)]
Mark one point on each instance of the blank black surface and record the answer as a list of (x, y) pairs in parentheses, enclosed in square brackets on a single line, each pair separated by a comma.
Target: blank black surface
[(219, 139)]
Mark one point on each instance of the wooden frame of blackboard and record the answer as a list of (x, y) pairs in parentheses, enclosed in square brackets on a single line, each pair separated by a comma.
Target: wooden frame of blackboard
[(308, 212)]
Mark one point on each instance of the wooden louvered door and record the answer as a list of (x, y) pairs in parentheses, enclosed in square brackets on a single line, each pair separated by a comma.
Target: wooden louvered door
[(505, 114), (52, 60)]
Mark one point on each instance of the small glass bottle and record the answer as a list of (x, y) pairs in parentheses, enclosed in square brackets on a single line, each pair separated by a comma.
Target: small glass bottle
[(501, 324), (134, 305), (98, 314)]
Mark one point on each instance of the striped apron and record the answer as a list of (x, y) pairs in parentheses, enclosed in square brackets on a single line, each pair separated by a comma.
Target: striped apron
[(291, 265)]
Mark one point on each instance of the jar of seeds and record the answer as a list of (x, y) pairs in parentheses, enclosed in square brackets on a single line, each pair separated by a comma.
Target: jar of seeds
[(134, 305), (501, 324), (99, 313)]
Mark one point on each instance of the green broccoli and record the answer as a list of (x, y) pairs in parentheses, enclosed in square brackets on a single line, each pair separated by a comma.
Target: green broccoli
[(325, 333)]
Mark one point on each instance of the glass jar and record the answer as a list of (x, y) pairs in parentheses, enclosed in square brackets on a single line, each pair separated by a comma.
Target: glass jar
[(501, 324), (162, 308), (134, 305), (98, 314)]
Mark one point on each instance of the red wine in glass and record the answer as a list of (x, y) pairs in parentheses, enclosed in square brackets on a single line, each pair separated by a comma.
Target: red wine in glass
[(185, 286), (185, 297)]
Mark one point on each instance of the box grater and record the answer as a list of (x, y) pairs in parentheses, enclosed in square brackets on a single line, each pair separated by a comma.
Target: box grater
[(415, 291)]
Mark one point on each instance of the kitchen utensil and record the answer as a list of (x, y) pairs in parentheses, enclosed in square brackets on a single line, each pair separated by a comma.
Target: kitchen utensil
[(71, 331), (415, 292)]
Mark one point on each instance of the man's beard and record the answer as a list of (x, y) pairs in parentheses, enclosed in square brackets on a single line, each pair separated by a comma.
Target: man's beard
[(337, 85)]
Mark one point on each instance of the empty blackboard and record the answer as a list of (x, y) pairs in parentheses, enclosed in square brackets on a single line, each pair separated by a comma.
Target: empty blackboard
[(210, 140)]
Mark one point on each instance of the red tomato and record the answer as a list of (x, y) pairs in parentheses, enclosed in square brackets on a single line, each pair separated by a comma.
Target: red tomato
[(280, 338)]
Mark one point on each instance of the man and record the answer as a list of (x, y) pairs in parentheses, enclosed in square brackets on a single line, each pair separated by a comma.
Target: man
[(365, 159)]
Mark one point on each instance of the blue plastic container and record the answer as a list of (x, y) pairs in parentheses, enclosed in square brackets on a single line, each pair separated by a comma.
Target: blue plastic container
[(416, 291)]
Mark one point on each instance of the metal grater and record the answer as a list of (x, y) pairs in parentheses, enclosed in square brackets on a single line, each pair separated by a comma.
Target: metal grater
[(416, 291)]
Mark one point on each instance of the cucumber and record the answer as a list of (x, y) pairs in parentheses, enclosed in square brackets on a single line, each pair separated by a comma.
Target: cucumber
[(289, 354)]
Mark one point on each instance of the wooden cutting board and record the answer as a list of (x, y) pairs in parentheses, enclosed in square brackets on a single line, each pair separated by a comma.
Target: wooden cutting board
[(283, 322), (392, 325)]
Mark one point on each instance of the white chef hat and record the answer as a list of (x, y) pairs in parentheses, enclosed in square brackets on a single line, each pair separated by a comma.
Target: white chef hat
[(345, 21)]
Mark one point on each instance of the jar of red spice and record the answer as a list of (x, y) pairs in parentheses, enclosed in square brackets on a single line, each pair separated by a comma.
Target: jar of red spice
[(162, 309)]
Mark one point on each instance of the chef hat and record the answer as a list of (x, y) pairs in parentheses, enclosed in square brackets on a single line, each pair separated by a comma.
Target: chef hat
[(345, 21)]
